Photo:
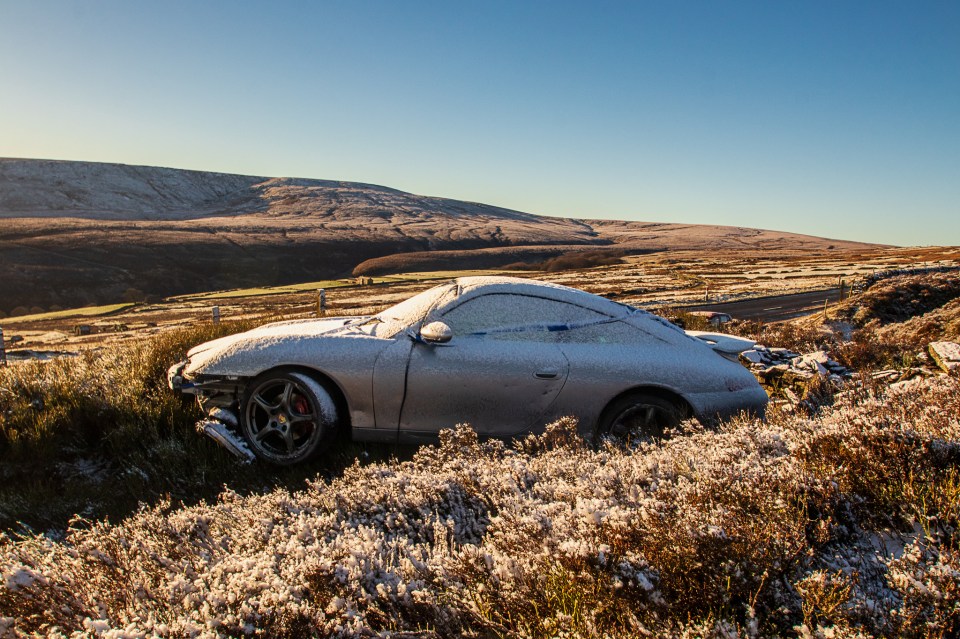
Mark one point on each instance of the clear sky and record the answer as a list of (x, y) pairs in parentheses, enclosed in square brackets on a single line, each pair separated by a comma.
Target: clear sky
[(838, 118)]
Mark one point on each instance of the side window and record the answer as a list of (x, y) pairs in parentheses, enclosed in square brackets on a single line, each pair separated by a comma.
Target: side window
[(515, 317), (606, 333)]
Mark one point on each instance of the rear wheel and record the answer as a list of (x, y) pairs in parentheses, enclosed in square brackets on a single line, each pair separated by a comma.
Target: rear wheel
[(639, 417), (286, 416)]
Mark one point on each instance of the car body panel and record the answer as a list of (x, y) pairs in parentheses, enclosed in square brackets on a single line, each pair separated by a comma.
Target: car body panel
[(521, 354), (479, 381), (337, 351), (388, 386)]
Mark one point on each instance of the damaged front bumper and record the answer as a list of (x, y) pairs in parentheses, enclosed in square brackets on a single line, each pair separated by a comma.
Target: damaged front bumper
[(220, 397), (221, 427), (210, 390)]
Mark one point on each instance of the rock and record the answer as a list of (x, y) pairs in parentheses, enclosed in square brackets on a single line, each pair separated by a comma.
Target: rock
[(813, 365), (945, 354), (817, 356), (791, 376), (785, 353)]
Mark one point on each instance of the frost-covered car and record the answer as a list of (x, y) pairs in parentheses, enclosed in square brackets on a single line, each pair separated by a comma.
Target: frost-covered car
[(505, 355)]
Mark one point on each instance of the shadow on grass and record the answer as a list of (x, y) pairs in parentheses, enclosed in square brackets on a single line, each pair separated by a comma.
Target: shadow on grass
[(87, 491)]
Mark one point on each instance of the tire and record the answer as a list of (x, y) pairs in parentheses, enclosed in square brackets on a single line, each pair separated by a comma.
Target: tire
[(286, 416), (639, 417)]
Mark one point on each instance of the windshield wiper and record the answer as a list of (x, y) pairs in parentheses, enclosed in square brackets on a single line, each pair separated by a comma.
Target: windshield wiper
[(363, 321)]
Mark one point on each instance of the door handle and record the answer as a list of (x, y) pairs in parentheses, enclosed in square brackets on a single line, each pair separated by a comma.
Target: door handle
[(546, 374)]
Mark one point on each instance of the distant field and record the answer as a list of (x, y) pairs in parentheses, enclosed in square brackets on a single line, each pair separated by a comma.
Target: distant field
[(267, 290), (442, 275), (89, 311), (652, 280), (326, 284)]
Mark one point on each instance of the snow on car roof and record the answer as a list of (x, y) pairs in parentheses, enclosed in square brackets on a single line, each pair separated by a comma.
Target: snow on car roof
[(476, 284)]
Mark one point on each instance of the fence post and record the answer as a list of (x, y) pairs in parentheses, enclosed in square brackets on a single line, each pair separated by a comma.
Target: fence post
[(3, 350), (216, 314), (321, 302)]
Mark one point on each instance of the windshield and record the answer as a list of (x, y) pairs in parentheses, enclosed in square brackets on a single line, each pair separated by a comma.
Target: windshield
[(396, 318)]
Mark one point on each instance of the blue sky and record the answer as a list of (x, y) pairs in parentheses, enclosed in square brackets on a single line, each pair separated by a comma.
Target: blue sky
[(839, 119)]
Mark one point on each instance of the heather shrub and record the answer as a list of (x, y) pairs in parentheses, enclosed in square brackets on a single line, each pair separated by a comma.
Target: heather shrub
[(869, 350), (843, 525), (899, 298), (799, 337), (898, 316), (583, 259), (573, 260), (688, 321), (942, 323), (100, 423)]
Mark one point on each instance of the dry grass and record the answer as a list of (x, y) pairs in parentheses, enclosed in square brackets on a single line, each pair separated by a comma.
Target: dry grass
[(87, 434), (841, 526)]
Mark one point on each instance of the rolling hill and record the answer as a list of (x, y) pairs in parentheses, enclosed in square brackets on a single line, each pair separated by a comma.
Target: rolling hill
[(74, 233)]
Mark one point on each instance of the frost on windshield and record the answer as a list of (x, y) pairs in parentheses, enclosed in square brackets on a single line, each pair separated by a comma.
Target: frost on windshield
[(398, 317)]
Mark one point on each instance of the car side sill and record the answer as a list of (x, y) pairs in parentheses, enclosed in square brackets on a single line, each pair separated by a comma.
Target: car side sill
[(374, 435)]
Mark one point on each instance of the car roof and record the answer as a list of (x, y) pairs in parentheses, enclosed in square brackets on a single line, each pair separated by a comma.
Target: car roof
[(485, 284), (473, 286)]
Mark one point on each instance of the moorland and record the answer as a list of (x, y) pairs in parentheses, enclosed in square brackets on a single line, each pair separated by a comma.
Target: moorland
[(84, 233), (836, 516)]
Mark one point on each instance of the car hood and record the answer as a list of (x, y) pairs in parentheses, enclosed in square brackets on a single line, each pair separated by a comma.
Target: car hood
[(271, 334)]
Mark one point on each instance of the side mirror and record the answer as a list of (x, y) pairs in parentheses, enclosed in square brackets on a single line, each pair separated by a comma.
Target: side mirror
[(436, 333)]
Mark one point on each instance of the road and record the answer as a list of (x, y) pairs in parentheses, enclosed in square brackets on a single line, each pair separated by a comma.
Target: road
[(774, 308)]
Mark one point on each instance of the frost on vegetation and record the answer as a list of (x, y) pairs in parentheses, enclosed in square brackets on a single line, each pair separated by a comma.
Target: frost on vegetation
[(102, 429), (840, 526)]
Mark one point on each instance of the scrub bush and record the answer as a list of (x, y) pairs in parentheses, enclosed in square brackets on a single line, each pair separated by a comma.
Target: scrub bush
[(842, 525), (79, 433)]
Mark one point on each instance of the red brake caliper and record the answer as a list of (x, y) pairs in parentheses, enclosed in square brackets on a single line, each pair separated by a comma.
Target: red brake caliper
[(302, 406)]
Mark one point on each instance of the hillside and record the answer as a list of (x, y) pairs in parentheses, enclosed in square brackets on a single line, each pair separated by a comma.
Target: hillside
[(82, 232), (834, 517)]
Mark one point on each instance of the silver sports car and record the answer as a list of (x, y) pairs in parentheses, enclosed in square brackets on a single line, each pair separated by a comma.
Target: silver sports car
[(505, 355)]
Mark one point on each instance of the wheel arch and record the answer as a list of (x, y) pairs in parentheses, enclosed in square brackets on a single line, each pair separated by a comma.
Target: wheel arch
[(656, 391), (329, 384)]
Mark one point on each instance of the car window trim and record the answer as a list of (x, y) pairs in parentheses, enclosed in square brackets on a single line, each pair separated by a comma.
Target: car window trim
[(549, 327)]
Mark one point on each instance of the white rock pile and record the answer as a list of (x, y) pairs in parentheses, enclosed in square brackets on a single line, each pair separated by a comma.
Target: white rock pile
[(787, 374), (782, 362)]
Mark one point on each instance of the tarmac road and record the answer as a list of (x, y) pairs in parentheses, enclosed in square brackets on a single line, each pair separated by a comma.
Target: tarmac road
[(774, 308)]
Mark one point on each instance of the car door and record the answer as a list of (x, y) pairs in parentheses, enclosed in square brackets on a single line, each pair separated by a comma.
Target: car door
[(606, 359), (500, 373)]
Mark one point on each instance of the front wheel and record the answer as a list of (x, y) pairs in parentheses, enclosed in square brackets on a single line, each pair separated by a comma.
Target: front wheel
[(639, 417), (285, 416)]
